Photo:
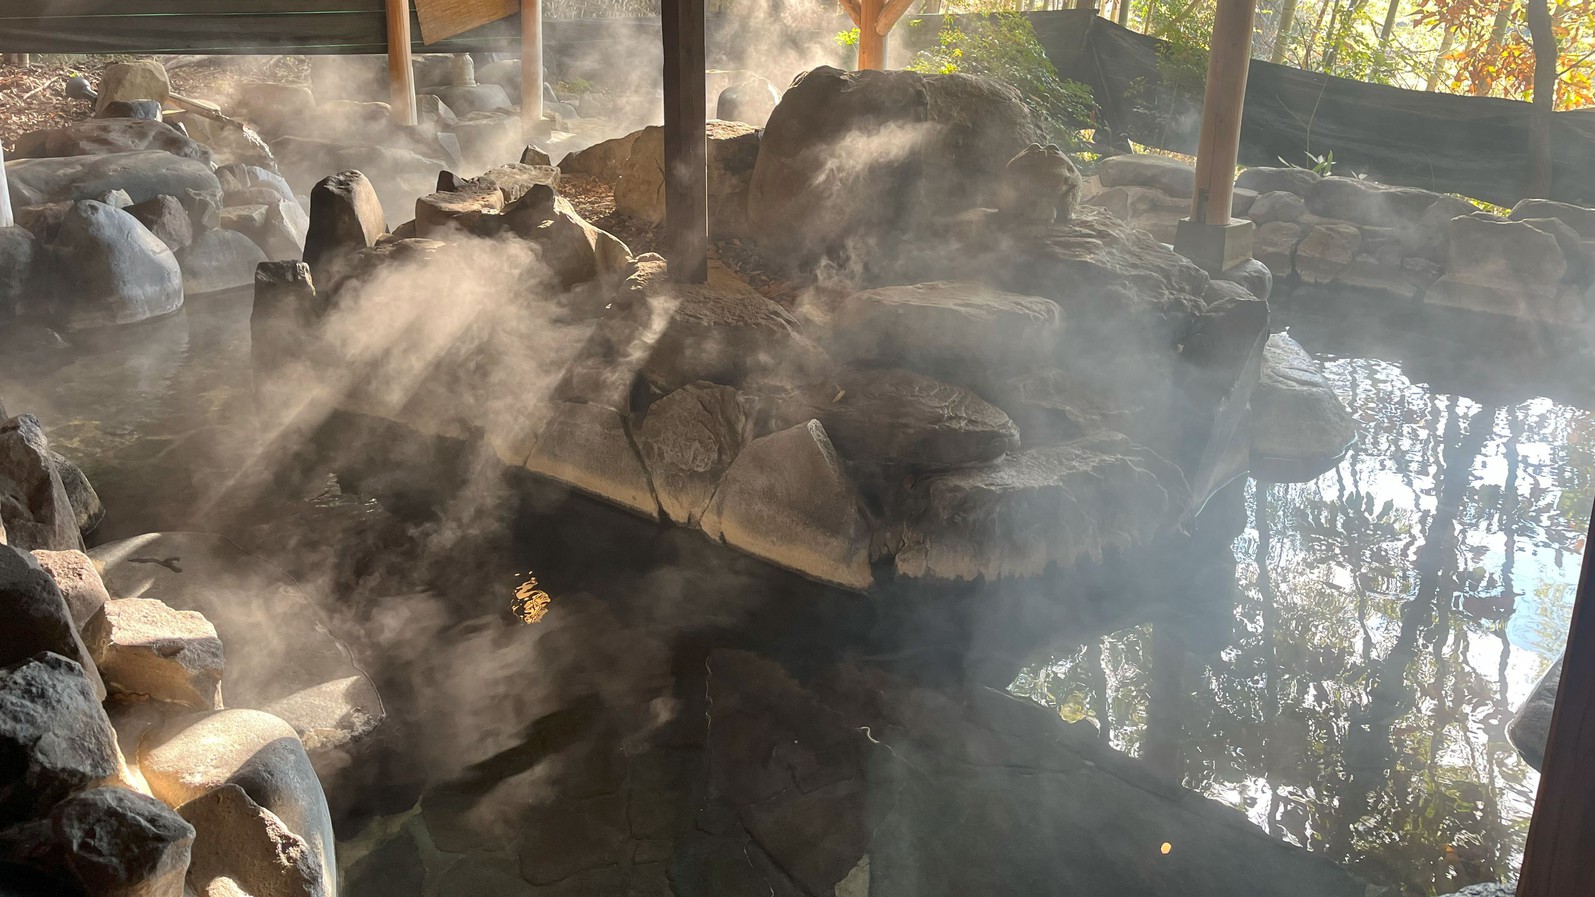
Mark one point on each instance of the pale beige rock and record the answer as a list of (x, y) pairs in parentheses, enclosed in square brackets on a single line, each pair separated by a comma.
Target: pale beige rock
[(787, 499), (144, 647), (587, 446), (1504, 267), (77, 578), (194, 755), (1327, 251), (238, 840)]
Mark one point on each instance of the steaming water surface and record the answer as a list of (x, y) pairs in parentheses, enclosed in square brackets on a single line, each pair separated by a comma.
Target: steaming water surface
[(1392, 612)]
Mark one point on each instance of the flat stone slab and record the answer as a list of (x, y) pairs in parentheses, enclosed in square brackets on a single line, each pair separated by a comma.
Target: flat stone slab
[(1035, 509)]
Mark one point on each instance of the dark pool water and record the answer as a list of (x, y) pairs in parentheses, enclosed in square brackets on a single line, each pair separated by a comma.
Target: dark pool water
[(1392, 614), (1389, 614)]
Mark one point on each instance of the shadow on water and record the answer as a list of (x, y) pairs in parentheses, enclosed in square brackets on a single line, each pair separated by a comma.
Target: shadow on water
[(1392, 613)]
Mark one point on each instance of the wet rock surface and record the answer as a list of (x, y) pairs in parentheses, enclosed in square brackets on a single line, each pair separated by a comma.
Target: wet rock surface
[(1530, 727), (1296, 415), (110, 269), (57, 739), (106, 841)]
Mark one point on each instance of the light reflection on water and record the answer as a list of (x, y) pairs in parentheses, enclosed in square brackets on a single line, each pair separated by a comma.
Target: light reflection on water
[(1393, 612)]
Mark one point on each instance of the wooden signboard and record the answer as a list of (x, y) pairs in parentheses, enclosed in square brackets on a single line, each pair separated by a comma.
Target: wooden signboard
[(443, 19)]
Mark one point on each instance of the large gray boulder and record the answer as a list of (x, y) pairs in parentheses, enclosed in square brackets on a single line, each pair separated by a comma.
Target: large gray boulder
[(688, 442), (474, 98), (1509, 268), (722, 331), (1365, 202), (1036, 509), (219, 260), (965, 333), (1296, 415), (33, 499), (109, 269), (103, 136), (1173, 177), (55, 740), (143, 175), (863, 157), (37, 619), (893, 416), (80, 493), (108, 842), (788, 500)]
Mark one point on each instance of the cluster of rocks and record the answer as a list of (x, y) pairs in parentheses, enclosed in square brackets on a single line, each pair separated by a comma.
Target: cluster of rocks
[(123, 770), (119, 216), (1395, 243), (1048, 394)]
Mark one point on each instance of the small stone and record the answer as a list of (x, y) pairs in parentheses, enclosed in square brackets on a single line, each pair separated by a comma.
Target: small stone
[(1040, 184), (238, 840), (55, 740), (147, 110), (165, 217), (1326, 251), (1278, 205), (144, 648), (1278, 180), (75, 575)]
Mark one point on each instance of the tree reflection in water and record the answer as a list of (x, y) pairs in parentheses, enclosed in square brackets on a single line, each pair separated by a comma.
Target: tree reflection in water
[(1392, 613)]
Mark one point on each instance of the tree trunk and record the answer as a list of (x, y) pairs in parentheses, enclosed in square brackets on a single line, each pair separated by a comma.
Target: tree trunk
[(1287, 20), (1312, 36), (1124, 13), (1497, 40), (1328, 54), (1337, 36), (1543, 36), (1439, 57), (1391, 11)]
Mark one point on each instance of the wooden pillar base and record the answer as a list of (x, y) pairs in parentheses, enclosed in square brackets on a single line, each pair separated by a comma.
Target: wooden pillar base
[(1215, 247)]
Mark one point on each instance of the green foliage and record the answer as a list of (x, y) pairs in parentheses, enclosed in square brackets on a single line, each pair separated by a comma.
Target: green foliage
[(1003, 46), (848, 38), (1322, 165)]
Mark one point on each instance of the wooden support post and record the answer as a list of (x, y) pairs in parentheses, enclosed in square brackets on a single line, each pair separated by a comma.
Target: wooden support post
[(1208, 237), (871, 40), (532, 69), (1559, 859), (401, 77), (1218, 148), (686, 145)]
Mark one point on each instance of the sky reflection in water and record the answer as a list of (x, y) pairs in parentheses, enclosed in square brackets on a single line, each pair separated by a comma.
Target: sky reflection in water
[(1406, 602)]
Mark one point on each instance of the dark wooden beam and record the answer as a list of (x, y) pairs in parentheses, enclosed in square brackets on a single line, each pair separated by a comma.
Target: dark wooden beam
[(1559, 860), (686, 148)]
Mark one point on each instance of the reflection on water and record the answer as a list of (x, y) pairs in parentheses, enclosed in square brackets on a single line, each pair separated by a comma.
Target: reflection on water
[(1392, 614)]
